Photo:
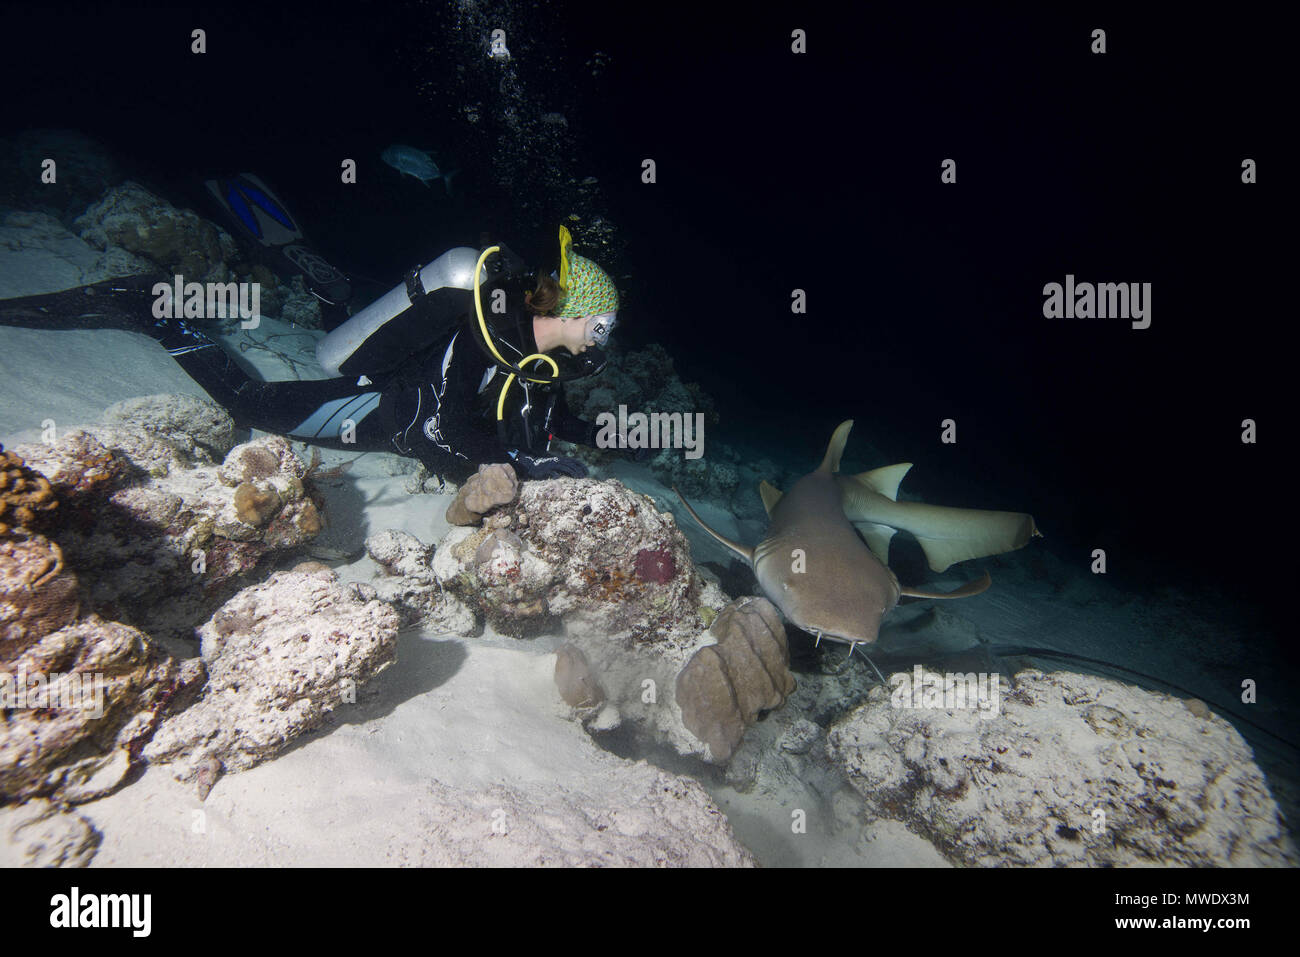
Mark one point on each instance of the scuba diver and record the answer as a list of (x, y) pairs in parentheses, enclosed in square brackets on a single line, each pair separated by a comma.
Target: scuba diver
[(426, 371)]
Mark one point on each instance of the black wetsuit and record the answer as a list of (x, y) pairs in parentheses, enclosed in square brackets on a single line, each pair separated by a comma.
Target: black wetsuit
[(438, 406)]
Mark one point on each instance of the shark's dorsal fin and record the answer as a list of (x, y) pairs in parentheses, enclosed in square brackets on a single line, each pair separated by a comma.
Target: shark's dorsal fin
[(831, 463), (746, 553), (884, 480), (965, 591), (770, 494)]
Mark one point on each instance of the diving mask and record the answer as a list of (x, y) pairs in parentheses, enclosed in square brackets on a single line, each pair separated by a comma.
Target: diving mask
[(599, 327)]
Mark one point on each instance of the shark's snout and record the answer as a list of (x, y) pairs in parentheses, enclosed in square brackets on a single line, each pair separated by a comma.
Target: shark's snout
[(846, 607)]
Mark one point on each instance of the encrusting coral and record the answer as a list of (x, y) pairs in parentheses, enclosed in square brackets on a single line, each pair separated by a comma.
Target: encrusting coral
[(26, 496)]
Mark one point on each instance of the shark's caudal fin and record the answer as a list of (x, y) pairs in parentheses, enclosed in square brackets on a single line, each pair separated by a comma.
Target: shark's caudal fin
[(947, 535), (965, 591), (978, 534), (746, 553), (831, 463)]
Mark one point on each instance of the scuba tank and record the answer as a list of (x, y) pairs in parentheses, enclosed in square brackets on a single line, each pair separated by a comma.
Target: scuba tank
[(371, 342)]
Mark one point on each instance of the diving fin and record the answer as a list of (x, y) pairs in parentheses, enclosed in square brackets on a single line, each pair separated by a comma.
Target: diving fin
[(256, 210), (256, 214), (123, 303)]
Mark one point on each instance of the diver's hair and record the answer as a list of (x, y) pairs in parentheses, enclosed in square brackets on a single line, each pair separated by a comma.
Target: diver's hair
[(546, 297)]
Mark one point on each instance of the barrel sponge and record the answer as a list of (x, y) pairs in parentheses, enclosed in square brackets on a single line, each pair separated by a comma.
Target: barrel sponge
[(490, 486), (725, 686)]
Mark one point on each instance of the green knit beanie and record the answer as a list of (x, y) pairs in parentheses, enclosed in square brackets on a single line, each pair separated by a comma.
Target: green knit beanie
[(590, 291)]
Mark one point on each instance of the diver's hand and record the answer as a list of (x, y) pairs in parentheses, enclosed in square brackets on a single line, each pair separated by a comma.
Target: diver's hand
[(548, 466)]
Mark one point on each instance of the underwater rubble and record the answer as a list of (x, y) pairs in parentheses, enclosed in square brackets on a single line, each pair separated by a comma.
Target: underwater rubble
[(1074, 770)]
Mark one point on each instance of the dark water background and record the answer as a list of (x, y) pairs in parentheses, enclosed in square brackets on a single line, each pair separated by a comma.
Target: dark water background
[(818, 172)]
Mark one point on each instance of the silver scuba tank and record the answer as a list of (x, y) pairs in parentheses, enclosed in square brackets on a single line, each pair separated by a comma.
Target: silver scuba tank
[(453, 269)]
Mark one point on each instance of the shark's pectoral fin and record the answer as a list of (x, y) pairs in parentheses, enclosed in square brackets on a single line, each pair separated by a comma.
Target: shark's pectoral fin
[(770, 495), (746, 553), (966, 591), (878, 538)]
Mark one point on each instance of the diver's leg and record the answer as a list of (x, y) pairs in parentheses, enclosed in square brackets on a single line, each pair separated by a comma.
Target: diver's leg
[(333, 412)]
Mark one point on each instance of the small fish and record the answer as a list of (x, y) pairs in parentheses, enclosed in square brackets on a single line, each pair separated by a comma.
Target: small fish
[(412, 162)]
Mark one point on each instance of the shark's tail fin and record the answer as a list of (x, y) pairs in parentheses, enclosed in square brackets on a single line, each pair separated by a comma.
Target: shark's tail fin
[(831, 463), (947, 535)]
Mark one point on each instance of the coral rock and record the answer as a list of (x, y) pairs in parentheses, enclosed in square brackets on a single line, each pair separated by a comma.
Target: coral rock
[(1020, 782), (280, 655), (199, 428), (37, 596), (263, 458), (39, 833), (571, 554), (77, 464), (409, 584), (103, 687), (400, 553), (158, 539), (131, 217)]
